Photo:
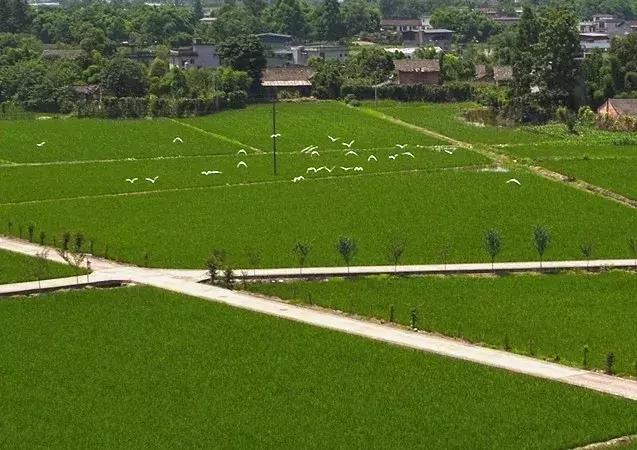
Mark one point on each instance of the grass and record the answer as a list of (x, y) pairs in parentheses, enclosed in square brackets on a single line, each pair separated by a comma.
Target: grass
[(617, 175), (305, 124), (549, 315), (431, 209), (92, 139), (146, 368), (15, 268)]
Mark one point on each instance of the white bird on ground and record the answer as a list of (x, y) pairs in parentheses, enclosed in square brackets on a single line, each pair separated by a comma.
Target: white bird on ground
[(297, 179), (132, 180), (178, 139), (333, 139), (152, 180), (41, 144), (393, 157), (211, 172), (372, 158), (348, 145), (449, 152), (410, 154), (346, 169), (315, 153), (274, 136), (351, 153), (401, 146), (242, 164), (311, 169), (514, 181), (358, 169), (242, 152)]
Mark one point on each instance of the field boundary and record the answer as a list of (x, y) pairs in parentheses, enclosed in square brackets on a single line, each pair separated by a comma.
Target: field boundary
[(612, 443), (236, 185), (218, 136)]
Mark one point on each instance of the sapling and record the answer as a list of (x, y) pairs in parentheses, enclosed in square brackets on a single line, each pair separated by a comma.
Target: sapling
[(586, 351), (42, 237), (413, 318), (587, 252), (346, 246), (302, 251), (31, 231), (228, 278), (632, 246), (391, 313), (396, 250), (610, 363), (541, 241), (507, 343), (493, 245)]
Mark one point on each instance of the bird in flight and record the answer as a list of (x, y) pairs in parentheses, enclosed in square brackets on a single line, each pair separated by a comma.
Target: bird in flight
[(358, 169), (275, 136), (348, 145), (325, 168), (311, 169), (315, 153), (131, 180), (242, 164), (449, 152), (211, 172), (242, 152), (178, 139), (351, 152), (346, 169), (393, 157), (333, 139), (41, 144), (372, 158), (401, 146), (411, 155), (514, 181), (297, 179), (152, 180)]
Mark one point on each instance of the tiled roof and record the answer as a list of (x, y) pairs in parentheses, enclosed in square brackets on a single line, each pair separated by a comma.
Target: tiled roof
[(287, 77), (624, 106), (417, 65)]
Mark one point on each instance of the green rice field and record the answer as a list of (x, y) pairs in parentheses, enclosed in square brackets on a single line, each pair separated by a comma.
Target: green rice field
[(617, 175), (16, 268), (547, 316), (137, 367), (435, 195)]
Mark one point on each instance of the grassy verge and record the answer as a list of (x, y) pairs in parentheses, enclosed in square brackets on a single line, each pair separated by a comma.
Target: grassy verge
[(144, 368), (548, 316), (16, 268)]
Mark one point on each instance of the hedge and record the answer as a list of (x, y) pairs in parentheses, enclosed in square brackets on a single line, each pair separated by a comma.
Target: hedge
[(152, 106), (448, 92)]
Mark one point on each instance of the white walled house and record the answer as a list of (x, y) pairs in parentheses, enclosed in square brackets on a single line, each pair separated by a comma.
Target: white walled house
[(199, 55)]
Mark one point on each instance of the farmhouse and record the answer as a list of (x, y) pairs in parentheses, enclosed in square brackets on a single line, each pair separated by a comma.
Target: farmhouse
[(615, 107), (301, 55), (290, 80), (199, 56), (417, 71)]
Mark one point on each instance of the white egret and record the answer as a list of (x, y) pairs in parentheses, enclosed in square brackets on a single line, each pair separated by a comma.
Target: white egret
[(242, 152), (132, 180), (514, 181), (372, 158), (401, 146), (242, 164), (152, 180), (178, 139), (41, 144), (333, 139), (311, 169), (393, 157), (349, 145), (275, 136), (410, 154), (351, 153), (346, 169), (211, 172), (358, 169), (297, 179), (449, 152), (315, 153)]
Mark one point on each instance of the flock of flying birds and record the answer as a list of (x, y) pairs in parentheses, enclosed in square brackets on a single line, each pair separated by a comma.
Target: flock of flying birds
[(313, 152)]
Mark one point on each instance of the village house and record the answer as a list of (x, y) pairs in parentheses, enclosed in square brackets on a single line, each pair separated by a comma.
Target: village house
[(616, 108), (417, 71), (302, 54), (199, 55), (292, 81)]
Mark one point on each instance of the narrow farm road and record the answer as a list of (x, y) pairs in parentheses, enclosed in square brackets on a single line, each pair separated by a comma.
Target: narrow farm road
[(507, 161), (186, 282)]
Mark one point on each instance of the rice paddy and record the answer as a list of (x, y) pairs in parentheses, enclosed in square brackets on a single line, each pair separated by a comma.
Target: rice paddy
[(137, 367), (16, 268)]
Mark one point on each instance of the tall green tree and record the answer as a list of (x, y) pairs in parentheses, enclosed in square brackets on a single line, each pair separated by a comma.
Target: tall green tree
[(244, 53), (360, 16), (287, 16), (558, 49), (329, 22), (197, 9), (124, 78)]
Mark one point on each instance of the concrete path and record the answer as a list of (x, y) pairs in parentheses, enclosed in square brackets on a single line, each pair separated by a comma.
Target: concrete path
[(185, 282), (33, 287)]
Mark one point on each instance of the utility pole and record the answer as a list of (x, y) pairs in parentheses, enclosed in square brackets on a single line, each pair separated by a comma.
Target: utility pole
[(274, 138)]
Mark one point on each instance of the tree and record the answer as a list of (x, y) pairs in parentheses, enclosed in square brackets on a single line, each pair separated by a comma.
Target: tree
[(254, 259), (372, 64), (360, 16), (329, 23), (286, 16), (40, 266), (302, 251), (568, 117), (493, 244), (396, 249), (245, 53), (214, 264), (328, 78), (197, 9), (632, 247), (347, 248), (541, 241), (587, 251), (124, 78), (558, 49)]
